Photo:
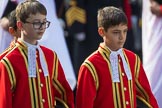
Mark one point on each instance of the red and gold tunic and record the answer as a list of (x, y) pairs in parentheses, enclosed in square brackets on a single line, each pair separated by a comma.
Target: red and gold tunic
[(12, 45), (20, 91), (95, 88)]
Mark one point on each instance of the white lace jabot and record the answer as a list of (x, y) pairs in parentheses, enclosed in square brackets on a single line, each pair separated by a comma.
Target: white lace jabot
[(32, 60), (114, 65)]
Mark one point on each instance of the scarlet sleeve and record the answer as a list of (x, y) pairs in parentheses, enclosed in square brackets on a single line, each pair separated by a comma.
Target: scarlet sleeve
[(63, 90), (86, 89), (5, 91), (143, 88)]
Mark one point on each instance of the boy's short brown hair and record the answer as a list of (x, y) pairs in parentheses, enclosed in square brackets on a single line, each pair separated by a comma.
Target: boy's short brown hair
[(12, 19), (111, 16), (25, 9)]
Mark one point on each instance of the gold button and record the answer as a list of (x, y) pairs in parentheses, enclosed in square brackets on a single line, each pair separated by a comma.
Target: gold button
[(123, 74), (40, 70), (125, 89), (41, 85), (127, 103), (119, 60), (43, 100)]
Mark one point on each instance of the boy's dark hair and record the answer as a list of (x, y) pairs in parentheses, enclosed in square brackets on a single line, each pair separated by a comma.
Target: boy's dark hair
[(25, 9), (111, 16), (12, 19)]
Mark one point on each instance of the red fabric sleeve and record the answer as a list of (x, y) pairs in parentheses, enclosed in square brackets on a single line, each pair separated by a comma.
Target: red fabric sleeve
[(5, 92), (144, 88), (65, 87), (85, 97)]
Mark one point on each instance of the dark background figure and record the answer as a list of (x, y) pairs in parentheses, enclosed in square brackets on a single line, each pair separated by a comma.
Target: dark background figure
[(11, 5), (136, 6)]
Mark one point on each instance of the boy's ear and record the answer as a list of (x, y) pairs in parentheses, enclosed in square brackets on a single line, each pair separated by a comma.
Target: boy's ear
[(101, 31), (19, 25), (11, 31)]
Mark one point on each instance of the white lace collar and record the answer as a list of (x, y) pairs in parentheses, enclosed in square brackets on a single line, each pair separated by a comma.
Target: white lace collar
[(32, 59), (114, 65)]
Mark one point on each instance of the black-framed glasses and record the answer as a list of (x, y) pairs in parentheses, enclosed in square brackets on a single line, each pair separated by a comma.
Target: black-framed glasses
[(39, 25)]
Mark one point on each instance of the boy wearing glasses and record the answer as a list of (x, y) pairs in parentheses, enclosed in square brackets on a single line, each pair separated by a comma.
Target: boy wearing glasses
[(31, 75)]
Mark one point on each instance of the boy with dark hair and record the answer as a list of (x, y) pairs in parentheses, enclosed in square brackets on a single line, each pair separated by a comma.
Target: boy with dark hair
[(113, 76), (31, 75), (13, 30)]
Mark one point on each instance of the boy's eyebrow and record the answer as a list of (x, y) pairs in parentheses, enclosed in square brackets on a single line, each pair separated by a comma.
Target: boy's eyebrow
[(117, 30), (39, 19)]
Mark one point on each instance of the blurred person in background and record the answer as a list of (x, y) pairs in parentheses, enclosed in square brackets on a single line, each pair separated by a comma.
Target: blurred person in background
[(6, 6), (152, 44), (13, 30), (136, 17)]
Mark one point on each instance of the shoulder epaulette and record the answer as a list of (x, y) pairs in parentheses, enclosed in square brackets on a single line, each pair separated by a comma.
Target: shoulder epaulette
[(10, 71), (92, 69), (75, 13)]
